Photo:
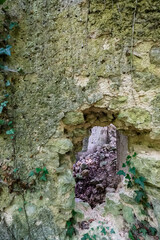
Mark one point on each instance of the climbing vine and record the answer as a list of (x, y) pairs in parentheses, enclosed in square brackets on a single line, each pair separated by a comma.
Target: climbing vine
[(133, 180), (5, 51)]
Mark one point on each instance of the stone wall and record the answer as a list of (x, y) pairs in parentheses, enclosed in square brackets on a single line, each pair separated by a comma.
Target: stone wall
[(85, 63)]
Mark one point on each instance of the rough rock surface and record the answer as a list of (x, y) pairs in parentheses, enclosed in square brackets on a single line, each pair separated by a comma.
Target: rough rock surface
[(96, 62)]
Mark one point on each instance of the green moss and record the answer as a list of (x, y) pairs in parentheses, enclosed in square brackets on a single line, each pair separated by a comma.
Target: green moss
[(73, 118), (136, 116), (146, 81), (118, 102)]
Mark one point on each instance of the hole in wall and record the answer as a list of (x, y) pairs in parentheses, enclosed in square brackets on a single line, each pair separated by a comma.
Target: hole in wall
[(97, 164)]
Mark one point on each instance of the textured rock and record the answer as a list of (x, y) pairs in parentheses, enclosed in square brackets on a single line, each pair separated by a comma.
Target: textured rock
[(76, 59)]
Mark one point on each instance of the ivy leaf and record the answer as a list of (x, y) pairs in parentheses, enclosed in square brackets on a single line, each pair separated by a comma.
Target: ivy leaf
[(128, 157), (43, 178), (143, 231), (121, 172), (128, 163), (140, 181), (20, 209), (12, 25), (6, 95), (128, 177), (86, 237), (4, 104), (134, 228), (38, 170), (31, 173), (45, 170), (134, 155), (7, 38), (1, 109), (10, 123), (131, 235), (103, 231), (130, 184), (123, 165), (9, 132), (15, 170), (132, 170), (94, 237), (153, 231), (8, 83), (6, 50), (2, 1), (2, 122), (112, 231), (139, 196)]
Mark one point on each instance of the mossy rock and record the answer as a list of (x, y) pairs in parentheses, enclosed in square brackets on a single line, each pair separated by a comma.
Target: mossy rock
[(73, 118)]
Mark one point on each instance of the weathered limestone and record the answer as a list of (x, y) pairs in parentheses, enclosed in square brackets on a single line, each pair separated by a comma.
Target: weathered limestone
[(84, 66)]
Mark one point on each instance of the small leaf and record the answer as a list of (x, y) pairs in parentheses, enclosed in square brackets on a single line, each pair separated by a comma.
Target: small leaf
[(6, 50), (6, 95), (153, 231), (140, 181), (143, 231), (123, 165), (134, 155), (31, 174), (140, 195), (112, 231), (7, 38), (130, 184), (10, 123), (121, 172), (128, 177), (43, 177), (132, 170), (128, 157), (11, 131), (131, 235), (38, 170), (4, 104), (128, 163), (15, 170), (1, 109), (8, 83), (103, 231), (2, 1), (134, 228), (12, 25), (45, 170), (2, 122), (20, 209)]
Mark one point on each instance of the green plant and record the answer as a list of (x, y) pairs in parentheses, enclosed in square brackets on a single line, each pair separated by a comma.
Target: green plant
[(40, 172), (70, 225), (133, 180), (101, 232)]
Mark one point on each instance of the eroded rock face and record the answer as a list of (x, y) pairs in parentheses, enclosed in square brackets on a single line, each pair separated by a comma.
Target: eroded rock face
[(76, 59)]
